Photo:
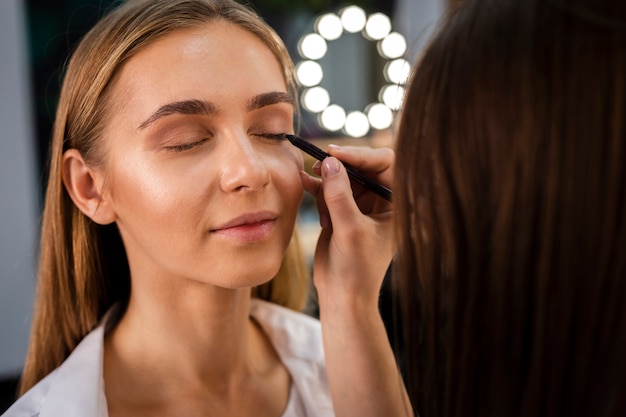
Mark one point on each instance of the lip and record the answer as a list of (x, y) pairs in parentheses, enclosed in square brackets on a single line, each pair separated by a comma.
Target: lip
[(249, 227)]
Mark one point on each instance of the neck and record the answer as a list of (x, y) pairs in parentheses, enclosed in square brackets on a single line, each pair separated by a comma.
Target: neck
[(194, 333), (188, 347)]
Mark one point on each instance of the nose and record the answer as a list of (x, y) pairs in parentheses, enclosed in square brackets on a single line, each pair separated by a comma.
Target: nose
[(243, 167)]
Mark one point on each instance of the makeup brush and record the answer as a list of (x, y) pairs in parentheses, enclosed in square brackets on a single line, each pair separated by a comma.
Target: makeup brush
[(355, 175)]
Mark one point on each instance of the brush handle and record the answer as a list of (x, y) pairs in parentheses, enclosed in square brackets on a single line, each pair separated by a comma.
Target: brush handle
[(355, 175)]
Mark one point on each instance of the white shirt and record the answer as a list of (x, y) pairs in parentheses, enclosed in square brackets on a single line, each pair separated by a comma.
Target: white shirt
[(76, 387)]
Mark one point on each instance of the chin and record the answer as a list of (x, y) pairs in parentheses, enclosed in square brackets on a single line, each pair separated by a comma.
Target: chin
[(251, 276)]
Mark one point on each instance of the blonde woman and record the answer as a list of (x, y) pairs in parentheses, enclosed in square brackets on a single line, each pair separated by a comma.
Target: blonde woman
[(170, 276)]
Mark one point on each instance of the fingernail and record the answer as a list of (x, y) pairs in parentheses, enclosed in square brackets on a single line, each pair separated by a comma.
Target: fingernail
[(330, 167), (317, 165), (333, 146)]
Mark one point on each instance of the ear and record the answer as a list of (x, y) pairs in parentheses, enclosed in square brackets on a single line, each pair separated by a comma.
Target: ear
[(84, 186)]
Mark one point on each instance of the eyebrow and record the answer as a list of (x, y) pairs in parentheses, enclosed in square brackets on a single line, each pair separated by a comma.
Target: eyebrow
[(194, 106), (267, 99), (181, 107)]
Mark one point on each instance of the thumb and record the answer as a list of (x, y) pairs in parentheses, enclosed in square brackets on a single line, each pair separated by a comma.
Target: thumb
[(338, 193)]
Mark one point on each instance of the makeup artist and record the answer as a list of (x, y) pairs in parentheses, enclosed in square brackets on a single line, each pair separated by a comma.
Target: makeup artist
[(510, 199), (170, 277)]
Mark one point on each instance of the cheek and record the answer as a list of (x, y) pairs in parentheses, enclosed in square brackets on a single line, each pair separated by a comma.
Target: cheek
[(136, 186), (292, 160), (287, 172)]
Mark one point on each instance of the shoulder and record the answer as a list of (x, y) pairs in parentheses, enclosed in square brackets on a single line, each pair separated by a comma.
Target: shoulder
[(29, 404), (74, 388)]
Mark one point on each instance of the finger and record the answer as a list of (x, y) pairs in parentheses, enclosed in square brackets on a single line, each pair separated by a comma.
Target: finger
[(317, 167), (357, 189), (311, 184), (376, 164), (376, 161), (314, 186), (338, 193)]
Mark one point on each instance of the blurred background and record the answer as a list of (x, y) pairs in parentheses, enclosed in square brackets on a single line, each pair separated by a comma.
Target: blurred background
[(352, 62)]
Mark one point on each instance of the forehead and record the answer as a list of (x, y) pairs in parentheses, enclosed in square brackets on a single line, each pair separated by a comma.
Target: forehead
[(217, 58)]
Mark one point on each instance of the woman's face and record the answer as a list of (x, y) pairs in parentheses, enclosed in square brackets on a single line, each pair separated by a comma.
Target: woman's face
[(198, 190)]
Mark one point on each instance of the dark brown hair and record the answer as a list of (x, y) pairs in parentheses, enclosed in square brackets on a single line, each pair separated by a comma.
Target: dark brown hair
[(510, 189)]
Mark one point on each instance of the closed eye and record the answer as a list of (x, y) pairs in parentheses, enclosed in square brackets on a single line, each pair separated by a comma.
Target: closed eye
[(185, 146), (273, 136)]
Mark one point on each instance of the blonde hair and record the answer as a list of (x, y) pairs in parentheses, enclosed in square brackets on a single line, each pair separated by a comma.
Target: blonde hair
[(83, 268)]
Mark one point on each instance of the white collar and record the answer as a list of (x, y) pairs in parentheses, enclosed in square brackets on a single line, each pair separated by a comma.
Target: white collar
[(69, 390)]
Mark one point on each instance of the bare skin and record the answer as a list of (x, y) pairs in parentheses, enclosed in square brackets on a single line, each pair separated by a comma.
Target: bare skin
[(353, 252), (175, 183), (206, 206), (247, 379)]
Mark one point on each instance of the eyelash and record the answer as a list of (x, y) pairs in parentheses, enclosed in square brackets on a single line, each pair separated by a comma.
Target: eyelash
[(184, 146), (272, 136), (189, 146)]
